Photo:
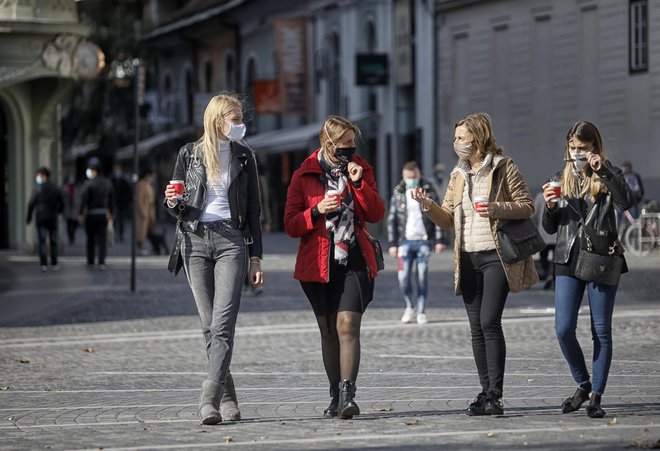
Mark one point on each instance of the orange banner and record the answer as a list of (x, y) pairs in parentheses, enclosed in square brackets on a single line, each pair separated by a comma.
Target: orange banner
[(266, 95)]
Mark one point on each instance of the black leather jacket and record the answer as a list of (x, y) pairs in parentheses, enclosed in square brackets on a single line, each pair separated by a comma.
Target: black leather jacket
[(243, 194), (396, 219), (563, 220)]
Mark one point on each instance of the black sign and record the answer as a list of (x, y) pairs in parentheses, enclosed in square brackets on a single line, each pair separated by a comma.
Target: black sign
[(372, 69)]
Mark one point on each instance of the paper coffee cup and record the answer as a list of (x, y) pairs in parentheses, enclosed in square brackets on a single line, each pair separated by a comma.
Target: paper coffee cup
[(178, 186), (480, 202), (334, 193), (556, 191)]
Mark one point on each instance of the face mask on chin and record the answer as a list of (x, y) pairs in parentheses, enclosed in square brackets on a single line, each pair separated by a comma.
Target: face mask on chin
[(236, 132), (463, 151)]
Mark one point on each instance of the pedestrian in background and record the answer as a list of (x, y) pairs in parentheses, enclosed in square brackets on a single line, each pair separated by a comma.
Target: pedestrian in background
[(145, 203), (329, 201), (96, 211), (480, 276), (71, 195), (46, 204), (547, 274), (411, 236), (590, 187), (123, 199), (218, 229), (634, 181)]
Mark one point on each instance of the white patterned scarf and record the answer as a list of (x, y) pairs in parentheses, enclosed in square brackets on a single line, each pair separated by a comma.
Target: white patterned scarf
[(341, 223)]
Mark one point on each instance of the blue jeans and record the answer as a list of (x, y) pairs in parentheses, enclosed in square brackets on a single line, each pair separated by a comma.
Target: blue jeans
[(568, 297), (410, 252), (215, 261)]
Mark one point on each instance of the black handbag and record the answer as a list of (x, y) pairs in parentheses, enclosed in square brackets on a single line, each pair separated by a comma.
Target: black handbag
[(378, 252), (519, 239), (599, 258)]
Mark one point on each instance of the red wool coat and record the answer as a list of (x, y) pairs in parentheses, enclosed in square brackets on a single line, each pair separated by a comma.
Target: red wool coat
[(307, 189)]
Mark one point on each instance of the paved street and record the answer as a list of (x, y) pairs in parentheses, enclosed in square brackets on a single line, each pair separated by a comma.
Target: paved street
[(86, 364)]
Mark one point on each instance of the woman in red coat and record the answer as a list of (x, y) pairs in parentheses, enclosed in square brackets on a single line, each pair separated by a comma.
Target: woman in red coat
[(331, 198)]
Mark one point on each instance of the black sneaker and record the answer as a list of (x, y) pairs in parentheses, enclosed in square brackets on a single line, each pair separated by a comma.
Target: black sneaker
[(494, 407), (478, 405)]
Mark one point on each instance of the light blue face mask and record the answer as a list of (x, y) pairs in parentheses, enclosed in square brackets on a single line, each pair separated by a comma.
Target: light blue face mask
[(411, 183), (39, 179), (89, 174)]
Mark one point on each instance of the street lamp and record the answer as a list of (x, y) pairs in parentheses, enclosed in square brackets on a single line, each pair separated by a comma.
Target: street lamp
[(122, 71)]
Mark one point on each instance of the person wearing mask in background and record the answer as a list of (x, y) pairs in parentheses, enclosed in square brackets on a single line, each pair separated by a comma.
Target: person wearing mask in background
[(218, 231), (480, 276), (145, 203), (123, 200), (46, 204), (590, 188), (634, 181), (411, 236), (329, 201), (96, 211)]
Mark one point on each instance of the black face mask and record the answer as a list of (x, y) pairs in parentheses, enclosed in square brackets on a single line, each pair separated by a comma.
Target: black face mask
[(344, 154)]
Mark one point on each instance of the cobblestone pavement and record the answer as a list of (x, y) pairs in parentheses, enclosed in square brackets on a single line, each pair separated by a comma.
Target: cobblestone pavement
[(86, 364)]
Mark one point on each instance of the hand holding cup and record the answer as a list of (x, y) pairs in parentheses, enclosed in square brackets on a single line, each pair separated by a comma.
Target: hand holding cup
[(552, 193), (481, 205)]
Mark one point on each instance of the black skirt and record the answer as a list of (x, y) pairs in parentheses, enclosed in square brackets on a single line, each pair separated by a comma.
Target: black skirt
[(349, 289)]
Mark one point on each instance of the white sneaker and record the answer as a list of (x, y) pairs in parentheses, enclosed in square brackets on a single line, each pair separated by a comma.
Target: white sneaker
[(44, 268), (408, 315), (422, 319)]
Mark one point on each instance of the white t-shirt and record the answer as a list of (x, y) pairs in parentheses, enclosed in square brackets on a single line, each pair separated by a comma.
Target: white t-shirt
[(415, 229), (217, 202)]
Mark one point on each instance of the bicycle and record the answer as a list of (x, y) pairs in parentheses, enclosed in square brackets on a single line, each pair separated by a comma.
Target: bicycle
[(643, 235)]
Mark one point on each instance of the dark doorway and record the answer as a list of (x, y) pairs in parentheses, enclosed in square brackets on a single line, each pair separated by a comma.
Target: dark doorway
[(4, 182)]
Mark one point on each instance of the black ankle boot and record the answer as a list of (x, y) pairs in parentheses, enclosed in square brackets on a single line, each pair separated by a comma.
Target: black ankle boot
[(478, 406), (333, 408), (593, 409), (347, 406), (574, 402)]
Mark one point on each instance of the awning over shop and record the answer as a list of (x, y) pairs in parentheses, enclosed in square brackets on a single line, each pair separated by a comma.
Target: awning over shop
[(303, 137), (145, 146)]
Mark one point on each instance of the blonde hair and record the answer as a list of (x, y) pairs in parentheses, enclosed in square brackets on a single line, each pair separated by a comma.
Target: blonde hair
[(479, 124), (217, 109), (334, 128), (570, 180)]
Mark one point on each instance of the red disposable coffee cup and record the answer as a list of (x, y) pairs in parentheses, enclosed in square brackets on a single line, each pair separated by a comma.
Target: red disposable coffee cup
[(178, 187), (480, 203), (334, 193), (556, 191)]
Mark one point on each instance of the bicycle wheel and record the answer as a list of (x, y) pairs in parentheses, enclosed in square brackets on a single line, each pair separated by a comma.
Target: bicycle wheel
[(638, 240)]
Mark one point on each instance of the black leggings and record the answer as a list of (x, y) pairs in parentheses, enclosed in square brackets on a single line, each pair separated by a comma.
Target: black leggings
[(484, 287)]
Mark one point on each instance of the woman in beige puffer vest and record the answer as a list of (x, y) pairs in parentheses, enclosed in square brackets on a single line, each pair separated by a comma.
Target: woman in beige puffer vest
[(480, 276)]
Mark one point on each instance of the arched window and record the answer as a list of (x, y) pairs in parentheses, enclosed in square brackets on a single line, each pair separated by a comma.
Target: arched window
[(250, 77), (208, 76), (334, 74), (230, 73)]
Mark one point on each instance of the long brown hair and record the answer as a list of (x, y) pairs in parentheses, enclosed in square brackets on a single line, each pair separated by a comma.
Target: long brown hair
[(570, 180), (479, 124)]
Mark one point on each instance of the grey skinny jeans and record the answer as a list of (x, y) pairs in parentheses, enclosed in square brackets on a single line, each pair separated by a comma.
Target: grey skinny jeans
[(215, 261)]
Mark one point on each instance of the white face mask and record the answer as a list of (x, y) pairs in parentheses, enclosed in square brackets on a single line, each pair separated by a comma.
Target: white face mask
[(89, 174), (580, 160), (236, 131)]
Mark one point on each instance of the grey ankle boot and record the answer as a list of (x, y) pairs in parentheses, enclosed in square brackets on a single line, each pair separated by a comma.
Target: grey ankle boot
[(209, 402), (229, 403)]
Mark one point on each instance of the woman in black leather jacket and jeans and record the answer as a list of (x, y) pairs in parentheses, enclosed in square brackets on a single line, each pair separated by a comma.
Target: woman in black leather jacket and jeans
[(590, 189), (218, 229)]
